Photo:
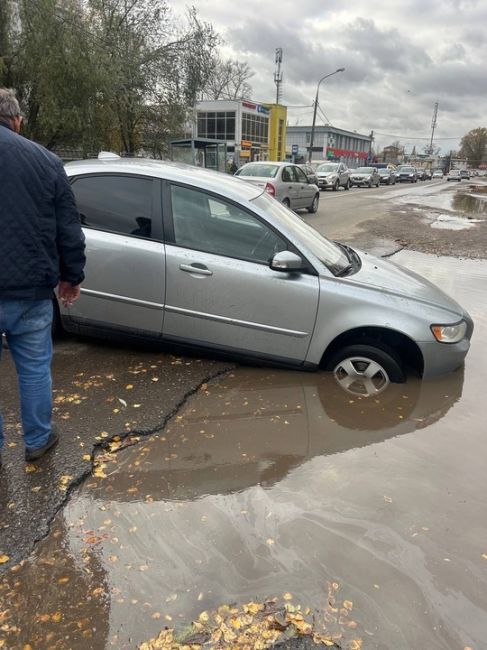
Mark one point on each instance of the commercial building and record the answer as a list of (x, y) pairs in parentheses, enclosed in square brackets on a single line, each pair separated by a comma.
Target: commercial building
[(251, 130), (329, 143)]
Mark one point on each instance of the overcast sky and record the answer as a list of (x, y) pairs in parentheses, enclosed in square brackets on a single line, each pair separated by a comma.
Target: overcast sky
[(400, 57)]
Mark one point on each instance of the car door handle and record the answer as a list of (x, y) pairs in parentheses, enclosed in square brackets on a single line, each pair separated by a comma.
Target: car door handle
[(201, 269)]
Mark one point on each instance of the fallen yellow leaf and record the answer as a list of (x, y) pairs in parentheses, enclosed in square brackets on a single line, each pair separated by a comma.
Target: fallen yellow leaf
[(4, 558)]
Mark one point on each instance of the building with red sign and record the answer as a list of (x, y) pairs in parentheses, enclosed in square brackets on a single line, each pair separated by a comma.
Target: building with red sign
[(330, 143)]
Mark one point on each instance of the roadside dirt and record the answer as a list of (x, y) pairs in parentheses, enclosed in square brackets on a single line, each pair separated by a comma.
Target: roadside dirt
[(409, 225)]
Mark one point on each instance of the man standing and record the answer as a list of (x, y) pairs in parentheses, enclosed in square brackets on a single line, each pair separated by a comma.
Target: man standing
[(41, 247)]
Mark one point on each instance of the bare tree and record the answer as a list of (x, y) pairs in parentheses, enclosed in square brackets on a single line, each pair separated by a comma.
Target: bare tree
[(229, 80), (474, 146)]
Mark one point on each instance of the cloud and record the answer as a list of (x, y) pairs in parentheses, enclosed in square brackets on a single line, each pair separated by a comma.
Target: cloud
[(399, 59)]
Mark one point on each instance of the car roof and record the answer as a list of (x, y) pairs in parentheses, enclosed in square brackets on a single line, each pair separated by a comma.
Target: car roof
[(206, 179), (279, 163)]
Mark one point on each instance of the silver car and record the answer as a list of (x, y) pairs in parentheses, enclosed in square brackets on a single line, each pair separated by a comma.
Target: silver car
[(284, 181), (189, 256), (365, 177), (333, 175)]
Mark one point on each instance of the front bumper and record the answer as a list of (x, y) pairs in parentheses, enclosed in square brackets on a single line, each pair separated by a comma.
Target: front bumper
[(442, 358), (359, 181), (326, 182)]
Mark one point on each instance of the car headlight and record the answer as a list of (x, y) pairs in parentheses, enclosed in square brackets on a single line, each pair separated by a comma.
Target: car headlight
[(449, 333)]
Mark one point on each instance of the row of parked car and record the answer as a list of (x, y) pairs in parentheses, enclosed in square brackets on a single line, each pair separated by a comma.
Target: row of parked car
[(298, 186)]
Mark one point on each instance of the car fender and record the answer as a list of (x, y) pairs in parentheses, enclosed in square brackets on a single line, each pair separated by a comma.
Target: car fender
[(344, 306)]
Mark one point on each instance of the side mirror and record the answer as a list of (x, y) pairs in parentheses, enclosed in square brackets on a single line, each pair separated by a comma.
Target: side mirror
[(287, 262)]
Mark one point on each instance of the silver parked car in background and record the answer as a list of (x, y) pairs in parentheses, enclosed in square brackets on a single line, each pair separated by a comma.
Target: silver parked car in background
[(310, 172), (333, 175), (365, 177), (284, 181), (185, 255)]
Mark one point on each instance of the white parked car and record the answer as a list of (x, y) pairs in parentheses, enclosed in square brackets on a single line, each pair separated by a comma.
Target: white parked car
[(454, 175), (284, 181)]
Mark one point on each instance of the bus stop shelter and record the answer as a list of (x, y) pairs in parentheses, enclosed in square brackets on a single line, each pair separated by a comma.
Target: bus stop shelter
[(201, 152)]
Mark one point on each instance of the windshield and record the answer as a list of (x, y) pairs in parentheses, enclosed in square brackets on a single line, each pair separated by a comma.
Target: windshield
[(382, 172), (364, 170), (266, 171), (409, 170), (327, 167), (329, 253)]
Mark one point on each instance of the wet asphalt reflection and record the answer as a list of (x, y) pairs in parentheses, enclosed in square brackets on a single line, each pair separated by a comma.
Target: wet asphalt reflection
[(270, 482)]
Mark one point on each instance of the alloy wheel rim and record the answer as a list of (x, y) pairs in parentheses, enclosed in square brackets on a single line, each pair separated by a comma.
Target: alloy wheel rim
[(361, 376)]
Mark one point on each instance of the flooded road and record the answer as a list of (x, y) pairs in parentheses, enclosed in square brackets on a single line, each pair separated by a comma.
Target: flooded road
[(269, 482)]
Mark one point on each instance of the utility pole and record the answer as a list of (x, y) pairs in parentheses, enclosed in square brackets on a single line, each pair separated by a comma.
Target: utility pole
[(371, 136), (278, 74), (312, 136), (433, 127)]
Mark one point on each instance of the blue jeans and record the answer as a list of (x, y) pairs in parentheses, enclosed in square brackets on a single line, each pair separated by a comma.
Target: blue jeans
[(27, 326)]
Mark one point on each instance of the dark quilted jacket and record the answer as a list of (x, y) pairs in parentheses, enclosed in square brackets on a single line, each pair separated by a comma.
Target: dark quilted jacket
[(41, 241)]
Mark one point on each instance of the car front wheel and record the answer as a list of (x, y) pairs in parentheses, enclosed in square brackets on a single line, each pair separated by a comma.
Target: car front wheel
[(348, 185), (373, 368), (314, 205)]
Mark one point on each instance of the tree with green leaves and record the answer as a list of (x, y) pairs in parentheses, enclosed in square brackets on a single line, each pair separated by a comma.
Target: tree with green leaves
[(114, 74), (473, 146), (153, 67)]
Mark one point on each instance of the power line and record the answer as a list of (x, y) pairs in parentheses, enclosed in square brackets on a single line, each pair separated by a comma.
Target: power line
[(324, 115), (410, 137)]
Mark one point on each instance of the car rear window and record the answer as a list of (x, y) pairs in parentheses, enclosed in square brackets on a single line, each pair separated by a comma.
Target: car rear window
[(265, 171)]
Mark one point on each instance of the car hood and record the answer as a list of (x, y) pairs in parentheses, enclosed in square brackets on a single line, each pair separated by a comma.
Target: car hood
[(361, 173), (396, 280), (325, 174)]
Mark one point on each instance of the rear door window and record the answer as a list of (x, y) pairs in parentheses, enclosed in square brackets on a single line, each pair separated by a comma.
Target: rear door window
[(119, 204)]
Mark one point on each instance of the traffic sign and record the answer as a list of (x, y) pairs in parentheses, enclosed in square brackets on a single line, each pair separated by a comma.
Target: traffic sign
[(294, 149)]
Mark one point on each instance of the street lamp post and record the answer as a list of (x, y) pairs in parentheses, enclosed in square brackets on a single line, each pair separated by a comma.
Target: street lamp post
[(315, 108)]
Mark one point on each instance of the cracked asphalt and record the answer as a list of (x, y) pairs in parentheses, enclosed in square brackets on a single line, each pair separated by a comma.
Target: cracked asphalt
[(101, 391)]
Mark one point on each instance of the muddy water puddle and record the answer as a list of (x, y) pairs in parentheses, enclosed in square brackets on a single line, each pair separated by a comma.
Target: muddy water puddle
[(272, 482)]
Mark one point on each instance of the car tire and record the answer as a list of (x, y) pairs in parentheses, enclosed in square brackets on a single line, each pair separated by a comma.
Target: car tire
[(370, 183), (287, 203), (314, 204), (336, 186), (348, 185), (380, 361), (377, 184)]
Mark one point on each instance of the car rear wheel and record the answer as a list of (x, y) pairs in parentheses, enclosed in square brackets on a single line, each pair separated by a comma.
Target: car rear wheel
[(366, 369), (287, 203), (314, 205)]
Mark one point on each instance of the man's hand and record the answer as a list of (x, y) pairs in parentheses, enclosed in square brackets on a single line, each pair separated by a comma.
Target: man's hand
[(67, 294)]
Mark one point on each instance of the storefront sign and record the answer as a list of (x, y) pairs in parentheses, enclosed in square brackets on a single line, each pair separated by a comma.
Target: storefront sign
[(246, 144), (245, 153), (256, 107), (345, 153)]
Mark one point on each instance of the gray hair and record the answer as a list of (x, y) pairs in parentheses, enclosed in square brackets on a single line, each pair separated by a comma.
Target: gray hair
[(9, 106)]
